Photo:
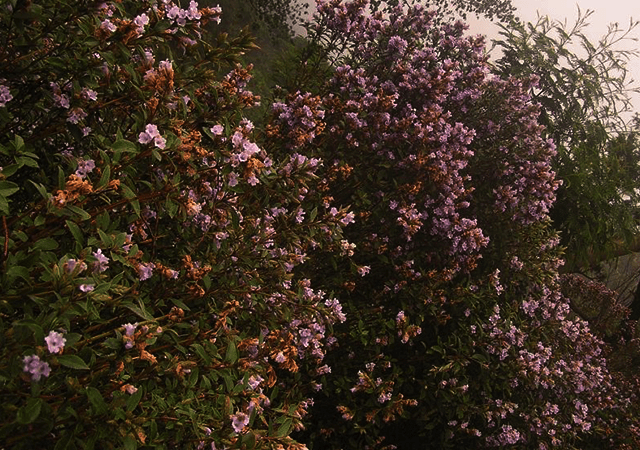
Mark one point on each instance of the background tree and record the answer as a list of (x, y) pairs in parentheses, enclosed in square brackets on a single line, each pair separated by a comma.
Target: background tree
[(584, 93)]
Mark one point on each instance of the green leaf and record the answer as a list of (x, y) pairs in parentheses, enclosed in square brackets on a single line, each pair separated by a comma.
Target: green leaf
[(128, 193), (30, 411), (39, 220), (105, 178), (106, 240), (4, 206), (46, 244), (26, 161), (122, 145), (41, 189), (10, 170), (19, 271), (135, 204), (180, 304), (170, 207), (140, 311), (75, 231), (73, 362), (79, 211), (249, 440), (103, 220), (8, 188), (18, 143), (129, 443), (133, 400), (63, 441), (199, 349), (232, 353), (96, 400), (285, 428)]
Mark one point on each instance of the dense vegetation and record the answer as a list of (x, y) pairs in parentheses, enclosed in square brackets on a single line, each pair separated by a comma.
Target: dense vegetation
[(366, 249)]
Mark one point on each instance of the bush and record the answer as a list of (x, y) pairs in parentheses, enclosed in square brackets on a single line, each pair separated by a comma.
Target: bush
[(148, 293), (171, 272), (457, 329)]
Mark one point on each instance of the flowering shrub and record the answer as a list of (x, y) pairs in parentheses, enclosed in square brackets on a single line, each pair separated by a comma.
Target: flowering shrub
[(378, 258), (457, 329), (149, 242)]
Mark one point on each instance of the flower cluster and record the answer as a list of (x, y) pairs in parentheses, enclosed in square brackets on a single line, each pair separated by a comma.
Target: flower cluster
[(5, 95), (151, 134), (36, 367)]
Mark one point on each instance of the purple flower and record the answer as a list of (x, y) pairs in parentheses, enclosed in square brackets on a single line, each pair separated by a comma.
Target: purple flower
[(145, 270), (84, 167), (73, 265), (129, 328), (87, 287), (254, 381), (5, 95), (76, 115), (36, 367), (347, 219), (239, 421), (397, 44), (140, 22), (150, 134), (107, 25), (160, 142), (89, 94), (55, 342), (102, 262)]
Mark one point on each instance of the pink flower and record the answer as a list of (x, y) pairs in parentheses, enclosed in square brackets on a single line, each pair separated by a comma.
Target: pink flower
[(75, 115), (55, 342), (141, 21), (87, 287), (89, 94), (84, 167)]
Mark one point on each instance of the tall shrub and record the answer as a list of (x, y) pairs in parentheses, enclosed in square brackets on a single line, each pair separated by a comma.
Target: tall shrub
[(456, 327), (148, 242)]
